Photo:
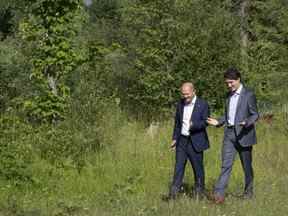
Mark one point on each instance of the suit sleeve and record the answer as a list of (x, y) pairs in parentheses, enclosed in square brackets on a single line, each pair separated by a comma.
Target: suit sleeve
[(177, 124), (221, 121), (202, 124), (253, 111)]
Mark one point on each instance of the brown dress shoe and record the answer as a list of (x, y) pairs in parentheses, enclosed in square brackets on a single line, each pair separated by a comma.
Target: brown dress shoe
[(218, 199)]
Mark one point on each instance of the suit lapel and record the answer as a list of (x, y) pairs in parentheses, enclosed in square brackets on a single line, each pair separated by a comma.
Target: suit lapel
[(227, 104), (181, 110), (196, 108), (242, 93)]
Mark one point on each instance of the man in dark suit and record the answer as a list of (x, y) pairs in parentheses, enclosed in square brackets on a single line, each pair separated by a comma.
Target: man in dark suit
[(239, 133), (190, 139)]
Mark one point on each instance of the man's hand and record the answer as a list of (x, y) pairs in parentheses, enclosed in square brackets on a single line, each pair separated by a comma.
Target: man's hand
[(243, 123), (173, 144), (212, 121)]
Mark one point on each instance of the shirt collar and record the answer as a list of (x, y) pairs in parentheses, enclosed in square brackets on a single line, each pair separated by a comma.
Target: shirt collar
[(238, 91), (192, 102)]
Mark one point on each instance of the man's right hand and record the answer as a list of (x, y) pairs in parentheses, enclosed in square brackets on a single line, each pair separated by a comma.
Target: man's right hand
[(173, 144), (212, 121)]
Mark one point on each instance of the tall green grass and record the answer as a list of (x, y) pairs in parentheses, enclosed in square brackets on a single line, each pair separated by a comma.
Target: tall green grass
[(133, 169)]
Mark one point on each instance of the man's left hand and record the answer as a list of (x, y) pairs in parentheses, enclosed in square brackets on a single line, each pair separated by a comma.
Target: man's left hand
[(243, 123), (173, 144)]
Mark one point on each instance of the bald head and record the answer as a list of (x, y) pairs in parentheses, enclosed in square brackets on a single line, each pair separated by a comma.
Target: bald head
[(188, 91), (187, 85)]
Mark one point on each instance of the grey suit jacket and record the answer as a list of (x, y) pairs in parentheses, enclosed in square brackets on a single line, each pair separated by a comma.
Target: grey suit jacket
[(246, 111)]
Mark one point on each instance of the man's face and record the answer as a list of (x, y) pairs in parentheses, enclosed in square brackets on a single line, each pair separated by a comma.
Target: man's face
[(187, 93), (232, 85)]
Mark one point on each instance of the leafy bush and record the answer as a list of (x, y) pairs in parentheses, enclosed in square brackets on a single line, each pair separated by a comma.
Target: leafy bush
[(15, 149)]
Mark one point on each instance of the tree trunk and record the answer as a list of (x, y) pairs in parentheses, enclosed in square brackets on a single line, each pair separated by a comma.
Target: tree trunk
[(243, 13), (51, 81), (52, 84)]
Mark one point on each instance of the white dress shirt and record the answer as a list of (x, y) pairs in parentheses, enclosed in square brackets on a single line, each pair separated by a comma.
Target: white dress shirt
[(233, 105), (187, 113)]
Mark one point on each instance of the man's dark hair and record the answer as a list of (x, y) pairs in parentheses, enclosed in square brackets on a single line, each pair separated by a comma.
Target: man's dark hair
[(232, 73)]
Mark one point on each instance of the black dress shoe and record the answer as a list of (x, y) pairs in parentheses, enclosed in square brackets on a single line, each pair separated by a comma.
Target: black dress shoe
[(247, 195), (169, 197), (165, 198), (198, 195), (173, 193)]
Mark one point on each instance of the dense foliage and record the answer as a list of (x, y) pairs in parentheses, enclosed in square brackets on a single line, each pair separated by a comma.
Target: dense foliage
[(137, 53), (75, 74)]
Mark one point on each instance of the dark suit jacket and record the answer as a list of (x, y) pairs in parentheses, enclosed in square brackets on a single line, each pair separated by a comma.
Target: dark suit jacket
[(246, 111), (199, 138)]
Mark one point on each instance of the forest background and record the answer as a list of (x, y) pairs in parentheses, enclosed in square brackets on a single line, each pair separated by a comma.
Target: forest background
[(87, 97)]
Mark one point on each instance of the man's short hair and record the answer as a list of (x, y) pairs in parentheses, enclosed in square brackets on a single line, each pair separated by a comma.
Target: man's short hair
[(232, 74)]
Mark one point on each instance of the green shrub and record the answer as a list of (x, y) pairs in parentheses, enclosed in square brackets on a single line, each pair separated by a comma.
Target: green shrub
[(15, 149)]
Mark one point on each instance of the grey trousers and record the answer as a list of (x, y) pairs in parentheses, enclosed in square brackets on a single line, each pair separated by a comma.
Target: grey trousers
[(229, 150)]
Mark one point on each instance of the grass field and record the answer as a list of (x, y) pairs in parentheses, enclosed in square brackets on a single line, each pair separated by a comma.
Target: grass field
[(129, 176)]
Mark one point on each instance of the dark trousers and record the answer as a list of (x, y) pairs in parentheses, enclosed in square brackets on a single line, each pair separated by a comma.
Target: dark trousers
[(184, 151), (229, 150)]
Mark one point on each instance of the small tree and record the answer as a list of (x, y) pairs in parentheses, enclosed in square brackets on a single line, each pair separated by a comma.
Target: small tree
[(268, 51), (169, 42), (49, 30)]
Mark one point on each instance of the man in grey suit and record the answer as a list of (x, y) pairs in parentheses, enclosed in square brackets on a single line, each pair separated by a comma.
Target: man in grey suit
[(239, 133)]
